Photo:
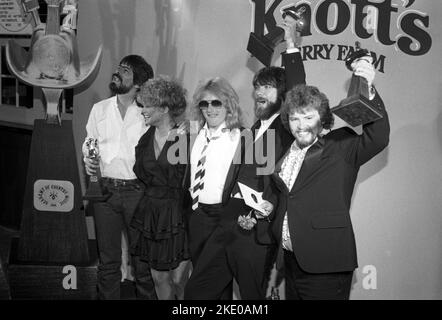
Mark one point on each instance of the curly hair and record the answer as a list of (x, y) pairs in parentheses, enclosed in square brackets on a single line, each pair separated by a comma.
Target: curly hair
[(141, 69), (221, 88), (163, 92), (303, 96)]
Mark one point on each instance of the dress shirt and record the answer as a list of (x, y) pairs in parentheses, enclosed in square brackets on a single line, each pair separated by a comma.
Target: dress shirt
[(219, 156), (265, 124), (289, 172), (117, 137)]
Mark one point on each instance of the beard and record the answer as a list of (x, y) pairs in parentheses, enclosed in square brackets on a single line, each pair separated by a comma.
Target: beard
[(270, 108), (308, 135), (118, 88)]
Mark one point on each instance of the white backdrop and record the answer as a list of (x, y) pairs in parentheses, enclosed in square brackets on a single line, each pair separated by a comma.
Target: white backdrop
[(397, 205)]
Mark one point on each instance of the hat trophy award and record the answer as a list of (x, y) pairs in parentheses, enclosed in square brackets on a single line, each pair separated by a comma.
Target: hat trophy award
[(53, 231)]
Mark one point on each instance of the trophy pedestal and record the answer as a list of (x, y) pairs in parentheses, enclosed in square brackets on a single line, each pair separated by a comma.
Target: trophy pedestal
[(357, 110), (260, 49), (47, 281), (94, 191), (53, 227), (4, 288)]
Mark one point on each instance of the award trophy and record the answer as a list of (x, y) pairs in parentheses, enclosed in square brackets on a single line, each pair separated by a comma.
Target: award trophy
[(357, 109), (94, 191), (53, 232), (262, 47)]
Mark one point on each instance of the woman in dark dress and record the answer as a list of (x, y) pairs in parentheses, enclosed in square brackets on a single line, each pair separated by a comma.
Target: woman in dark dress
[(159, 219)]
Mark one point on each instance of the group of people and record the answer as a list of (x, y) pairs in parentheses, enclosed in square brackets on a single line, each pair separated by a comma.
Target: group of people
[(182, 205)]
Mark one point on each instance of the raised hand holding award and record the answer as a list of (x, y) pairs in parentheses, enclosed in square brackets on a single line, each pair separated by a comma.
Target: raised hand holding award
[(263, 46), (357, 109)]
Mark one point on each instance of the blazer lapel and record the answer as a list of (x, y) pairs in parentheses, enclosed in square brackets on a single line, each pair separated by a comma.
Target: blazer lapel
[(309, 165), (186, 178), (279, 182)]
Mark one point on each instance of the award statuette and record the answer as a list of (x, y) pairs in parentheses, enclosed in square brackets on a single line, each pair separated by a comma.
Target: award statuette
[(94, 191), (357, 109), (262, 47)]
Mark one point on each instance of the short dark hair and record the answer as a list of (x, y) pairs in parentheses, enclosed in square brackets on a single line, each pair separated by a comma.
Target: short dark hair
[(301, 97), (141, 69), (274, 76), (164, 92)]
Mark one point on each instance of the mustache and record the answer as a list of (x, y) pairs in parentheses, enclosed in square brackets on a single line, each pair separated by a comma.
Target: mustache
[(261, 99), (116, 75)]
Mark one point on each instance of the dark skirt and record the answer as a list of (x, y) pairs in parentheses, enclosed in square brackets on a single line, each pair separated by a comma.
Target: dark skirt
[(160, 231)]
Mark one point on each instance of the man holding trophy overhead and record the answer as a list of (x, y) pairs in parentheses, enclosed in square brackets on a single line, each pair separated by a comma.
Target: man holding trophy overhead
[(113, 129), (313, 185)]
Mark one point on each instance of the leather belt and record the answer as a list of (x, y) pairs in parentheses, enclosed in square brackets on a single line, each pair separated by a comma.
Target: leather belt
[(119, 182)]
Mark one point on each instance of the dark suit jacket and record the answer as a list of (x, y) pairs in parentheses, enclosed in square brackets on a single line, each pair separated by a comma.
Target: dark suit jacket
[(248, 174), (318, 205), (230, 177)]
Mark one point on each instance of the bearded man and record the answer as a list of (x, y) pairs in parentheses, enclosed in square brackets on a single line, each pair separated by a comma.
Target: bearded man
[(117, 125)]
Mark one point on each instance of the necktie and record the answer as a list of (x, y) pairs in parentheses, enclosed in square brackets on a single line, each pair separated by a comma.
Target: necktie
[(198, 182)]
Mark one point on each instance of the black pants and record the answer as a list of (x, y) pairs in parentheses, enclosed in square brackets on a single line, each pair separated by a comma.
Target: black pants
[(300, 285), (111, 218), (202, 224), (231, 252)]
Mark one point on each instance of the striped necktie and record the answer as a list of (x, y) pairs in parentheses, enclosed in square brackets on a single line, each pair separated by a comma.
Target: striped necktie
[(198, 182)]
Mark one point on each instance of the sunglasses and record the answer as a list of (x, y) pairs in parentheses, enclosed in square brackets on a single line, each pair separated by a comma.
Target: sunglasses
[(204, 104)]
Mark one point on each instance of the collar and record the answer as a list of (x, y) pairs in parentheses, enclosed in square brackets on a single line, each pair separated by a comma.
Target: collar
[(132, 104), (222, 129), (269, 120)]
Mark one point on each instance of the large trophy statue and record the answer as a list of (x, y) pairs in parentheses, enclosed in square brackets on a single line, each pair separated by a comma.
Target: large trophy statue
[(357, 109), (53, 228)]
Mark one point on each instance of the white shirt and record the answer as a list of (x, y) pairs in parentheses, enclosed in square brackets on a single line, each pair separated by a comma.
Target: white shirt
[(265, 124), (289, 172), (219, 156), (117, 137)]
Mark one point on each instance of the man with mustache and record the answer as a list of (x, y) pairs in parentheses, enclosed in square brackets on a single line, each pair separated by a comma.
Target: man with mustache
[(117, 124), (314, 185)]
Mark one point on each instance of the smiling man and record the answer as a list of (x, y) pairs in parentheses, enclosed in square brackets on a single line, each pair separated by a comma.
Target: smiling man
[(314, 182), (117, 124)]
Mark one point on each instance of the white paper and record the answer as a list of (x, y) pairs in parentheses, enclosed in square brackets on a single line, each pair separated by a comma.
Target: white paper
[(251, 197)]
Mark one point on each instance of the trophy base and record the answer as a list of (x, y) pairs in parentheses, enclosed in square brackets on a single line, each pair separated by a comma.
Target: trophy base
[(37, 280), (260, 49), (53, 231), (94, 191), (357, 110)]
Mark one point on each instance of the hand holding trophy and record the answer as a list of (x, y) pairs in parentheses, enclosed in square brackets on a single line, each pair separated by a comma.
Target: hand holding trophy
[(357, 108), (263, 47), (91, 152)]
